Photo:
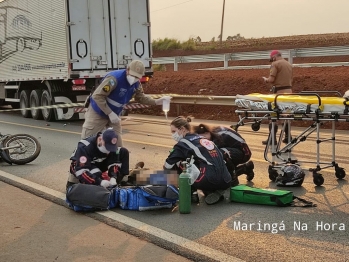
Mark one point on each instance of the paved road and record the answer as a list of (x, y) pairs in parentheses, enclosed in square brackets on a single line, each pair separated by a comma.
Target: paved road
[(212, 226), (35, 229)]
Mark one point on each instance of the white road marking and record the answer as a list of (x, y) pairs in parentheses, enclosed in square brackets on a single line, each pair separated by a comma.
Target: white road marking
[(140, 226)]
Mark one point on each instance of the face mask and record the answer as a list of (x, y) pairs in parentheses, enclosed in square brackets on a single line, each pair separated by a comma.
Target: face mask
[(103, 149), (176, 136), (131, 79)]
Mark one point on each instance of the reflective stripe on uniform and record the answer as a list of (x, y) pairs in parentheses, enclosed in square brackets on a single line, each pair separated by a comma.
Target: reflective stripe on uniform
[(196, 150), (116, 164), (236, 137), (168, 166), (85, 142), (226, 151), (114, 103), (79, 172), (98, 160), (95, 170)]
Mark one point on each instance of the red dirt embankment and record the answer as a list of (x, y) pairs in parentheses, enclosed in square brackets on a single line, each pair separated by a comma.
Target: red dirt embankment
[(231, 82)]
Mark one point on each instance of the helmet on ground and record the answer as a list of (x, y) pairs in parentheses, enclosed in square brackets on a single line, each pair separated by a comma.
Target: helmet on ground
[(293, 175)]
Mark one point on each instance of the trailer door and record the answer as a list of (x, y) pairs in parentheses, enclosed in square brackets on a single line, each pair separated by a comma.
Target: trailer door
[(89, 34), (130, 30), (108, 34)]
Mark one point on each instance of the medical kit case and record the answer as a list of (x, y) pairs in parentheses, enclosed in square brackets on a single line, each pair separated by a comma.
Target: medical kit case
[(254, 195)]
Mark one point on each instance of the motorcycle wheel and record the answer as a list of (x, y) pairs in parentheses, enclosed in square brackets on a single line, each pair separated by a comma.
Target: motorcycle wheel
[(28, 150)]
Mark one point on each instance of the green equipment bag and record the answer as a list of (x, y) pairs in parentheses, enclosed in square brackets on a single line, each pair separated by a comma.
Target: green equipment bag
[(271, 197)]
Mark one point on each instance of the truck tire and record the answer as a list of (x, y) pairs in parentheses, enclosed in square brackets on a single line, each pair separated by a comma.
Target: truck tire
[(24, 103), (35, 101), (47, 113)]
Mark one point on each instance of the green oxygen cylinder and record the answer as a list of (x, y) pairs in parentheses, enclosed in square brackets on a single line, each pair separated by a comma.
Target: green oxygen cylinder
[(184, 191)]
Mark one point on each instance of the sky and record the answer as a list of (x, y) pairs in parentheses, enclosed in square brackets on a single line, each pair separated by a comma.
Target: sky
[(183, 19)]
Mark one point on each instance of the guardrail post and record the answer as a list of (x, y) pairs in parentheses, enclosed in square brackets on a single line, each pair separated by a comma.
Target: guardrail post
[(226, 59), (175, 65), (290, 56), (178, 106)]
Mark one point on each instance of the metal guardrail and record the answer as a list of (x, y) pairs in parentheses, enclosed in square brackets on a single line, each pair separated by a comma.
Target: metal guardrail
[(334, 64), (199, 99), (258, 55), (178, 100)]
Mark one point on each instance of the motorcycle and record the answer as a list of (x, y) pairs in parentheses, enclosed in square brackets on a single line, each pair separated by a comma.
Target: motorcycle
[(19, 149)]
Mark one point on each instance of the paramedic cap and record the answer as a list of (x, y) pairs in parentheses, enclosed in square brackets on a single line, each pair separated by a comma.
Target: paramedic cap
[(110, 139), (274, 52), (136, 68)]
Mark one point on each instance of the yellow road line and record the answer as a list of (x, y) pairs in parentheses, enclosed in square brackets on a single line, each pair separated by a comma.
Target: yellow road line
[(72, 132), (126, 140), (43, 128)]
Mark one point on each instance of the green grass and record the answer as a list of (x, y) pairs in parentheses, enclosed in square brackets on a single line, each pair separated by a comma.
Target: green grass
[(192, 44), (173, 44), (159, 67), (166, 44)]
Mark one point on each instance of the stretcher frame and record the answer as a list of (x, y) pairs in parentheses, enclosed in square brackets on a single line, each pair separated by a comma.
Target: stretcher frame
[(278, 151)]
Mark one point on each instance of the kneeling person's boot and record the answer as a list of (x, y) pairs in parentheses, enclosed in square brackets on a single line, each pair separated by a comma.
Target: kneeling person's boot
[(240, 170), (249, 170), (214, 197), (244, 168)]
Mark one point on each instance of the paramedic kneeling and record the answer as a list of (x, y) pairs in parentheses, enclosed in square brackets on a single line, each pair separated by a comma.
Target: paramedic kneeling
[(281, 74), (95, 155), (214, 177), (234, 148)]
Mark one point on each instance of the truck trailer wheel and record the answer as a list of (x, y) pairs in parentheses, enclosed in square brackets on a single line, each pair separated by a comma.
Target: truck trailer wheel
[(24, 103), (47, 113), (35, 100)]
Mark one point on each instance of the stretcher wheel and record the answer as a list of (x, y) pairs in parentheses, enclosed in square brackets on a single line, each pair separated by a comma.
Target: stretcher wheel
[(318, 179), (256, 126), (340, 173), (273, 174)]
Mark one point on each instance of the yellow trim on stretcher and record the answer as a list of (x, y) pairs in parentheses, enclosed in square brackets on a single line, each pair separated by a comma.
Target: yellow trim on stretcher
[(307, 99)]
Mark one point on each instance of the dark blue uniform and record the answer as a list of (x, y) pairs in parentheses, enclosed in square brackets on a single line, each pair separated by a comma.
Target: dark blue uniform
[(88, 163), (209, 160), (232, 145)]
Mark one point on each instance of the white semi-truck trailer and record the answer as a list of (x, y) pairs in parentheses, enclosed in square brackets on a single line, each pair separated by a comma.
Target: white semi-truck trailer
[(56, 51)]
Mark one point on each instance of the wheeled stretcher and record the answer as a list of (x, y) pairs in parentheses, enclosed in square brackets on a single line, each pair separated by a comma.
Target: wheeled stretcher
[(305, 106)]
